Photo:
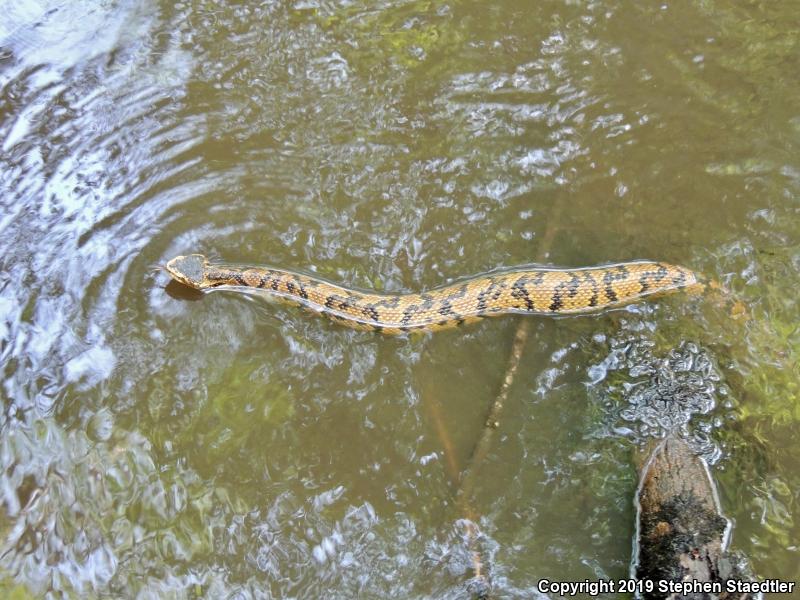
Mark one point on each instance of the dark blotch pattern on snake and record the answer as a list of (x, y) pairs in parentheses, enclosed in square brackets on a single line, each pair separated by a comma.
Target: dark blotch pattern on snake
[(528, 291)]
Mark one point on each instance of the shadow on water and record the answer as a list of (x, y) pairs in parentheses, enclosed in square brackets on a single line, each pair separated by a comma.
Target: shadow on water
[(178, 291)]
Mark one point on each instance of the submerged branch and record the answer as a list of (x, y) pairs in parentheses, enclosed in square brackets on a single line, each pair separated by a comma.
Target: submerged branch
[(480, 585)]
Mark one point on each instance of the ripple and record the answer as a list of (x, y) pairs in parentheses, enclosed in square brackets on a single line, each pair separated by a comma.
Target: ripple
[(663, 395), (39, 32), (153, 442)]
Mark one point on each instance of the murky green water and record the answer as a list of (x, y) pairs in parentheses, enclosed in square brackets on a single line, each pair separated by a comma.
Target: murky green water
[(156, 443)]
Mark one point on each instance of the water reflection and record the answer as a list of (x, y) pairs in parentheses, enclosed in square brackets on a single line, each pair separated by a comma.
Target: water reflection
[(152, 445)]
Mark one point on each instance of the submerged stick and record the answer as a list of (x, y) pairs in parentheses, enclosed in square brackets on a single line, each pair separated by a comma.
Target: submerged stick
[(484, 443), (480, 583), (482, 447)]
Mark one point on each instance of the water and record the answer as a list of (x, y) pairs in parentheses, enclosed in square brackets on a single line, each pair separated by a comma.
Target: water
[(157, 443)]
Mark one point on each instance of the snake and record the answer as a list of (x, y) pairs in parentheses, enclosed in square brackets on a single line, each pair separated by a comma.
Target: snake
[(534, 291)]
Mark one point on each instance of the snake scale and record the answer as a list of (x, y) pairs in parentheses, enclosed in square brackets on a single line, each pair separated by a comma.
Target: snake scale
[(528, 291)]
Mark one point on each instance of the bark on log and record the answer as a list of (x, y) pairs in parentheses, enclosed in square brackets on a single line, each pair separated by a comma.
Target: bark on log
[(682, 532)]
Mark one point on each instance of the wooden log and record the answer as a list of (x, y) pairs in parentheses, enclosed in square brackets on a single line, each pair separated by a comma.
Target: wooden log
[(682, 533)]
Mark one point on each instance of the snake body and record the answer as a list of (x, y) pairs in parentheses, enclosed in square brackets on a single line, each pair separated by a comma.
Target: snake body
[(528, 291)]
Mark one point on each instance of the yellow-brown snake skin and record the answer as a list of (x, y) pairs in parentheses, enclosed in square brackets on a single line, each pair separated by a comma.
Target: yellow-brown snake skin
[(526, 291)]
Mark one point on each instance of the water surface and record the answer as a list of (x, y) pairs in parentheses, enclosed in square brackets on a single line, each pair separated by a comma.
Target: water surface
[(159, 443)]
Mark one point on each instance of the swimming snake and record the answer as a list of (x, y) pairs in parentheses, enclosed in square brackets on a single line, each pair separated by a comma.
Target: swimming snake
[(537, 291)]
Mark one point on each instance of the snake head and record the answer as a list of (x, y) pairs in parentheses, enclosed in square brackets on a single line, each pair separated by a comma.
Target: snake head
[(189, 270)]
